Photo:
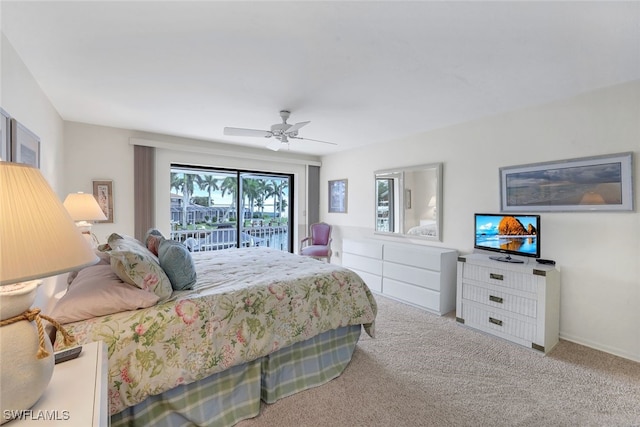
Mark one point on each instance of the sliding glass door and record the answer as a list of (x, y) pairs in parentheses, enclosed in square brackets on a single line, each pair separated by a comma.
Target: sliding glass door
[(214, 209)]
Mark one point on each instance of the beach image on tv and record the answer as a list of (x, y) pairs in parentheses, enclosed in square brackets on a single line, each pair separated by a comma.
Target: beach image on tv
[(510, 233)]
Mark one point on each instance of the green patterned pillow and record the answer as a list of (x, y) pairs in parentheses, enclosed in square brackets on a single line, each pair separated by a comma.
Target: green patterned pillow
[(135, 264)]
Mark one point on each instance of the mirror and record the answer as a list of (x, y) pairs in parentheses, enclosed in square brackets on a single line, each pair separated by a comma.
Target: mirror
[(408, 201)]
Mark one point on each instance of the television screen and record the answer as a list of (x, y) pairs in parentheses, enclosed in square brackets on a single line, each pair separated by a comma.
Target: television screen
[(508, 234)]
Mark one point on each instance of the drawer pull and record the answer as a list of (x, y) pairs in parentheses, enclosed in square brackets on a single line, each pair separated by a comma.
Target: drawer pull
[(496, 276), (495, 321), (495, 299)]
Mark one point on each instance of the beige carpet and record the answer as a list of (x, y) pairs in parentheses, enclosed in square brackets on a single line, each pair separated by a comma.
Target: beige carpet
[(424, 370)]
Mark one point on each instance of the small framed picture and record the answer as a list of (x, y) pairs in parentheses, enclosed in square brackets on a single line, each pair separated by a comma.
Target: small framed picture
[(338, 196), (103, 192), (25, 145)]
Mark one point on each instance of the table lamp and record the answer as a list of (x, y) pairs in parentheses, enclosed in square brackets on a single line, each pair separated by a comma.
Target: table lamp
[(84, 208), (37, 239)]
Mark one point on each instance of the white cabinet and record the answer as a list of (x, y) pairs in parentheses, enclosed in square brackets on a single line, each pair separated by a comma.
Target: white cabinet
[(424, 276), (517, 302), (77, 394)]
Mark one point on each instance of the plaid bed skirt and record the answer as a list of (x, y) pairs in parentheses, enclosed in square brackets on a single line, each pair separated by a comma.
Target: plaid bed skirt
[(225, 398)]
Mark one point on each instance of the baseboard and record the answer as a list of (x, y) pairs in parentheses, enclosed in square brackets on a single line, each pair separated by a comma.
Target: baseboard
[(600, 347)]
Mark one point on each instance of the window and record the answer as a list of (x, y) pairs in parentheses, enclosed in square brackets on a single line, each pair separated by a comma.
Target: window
[(214, 209)]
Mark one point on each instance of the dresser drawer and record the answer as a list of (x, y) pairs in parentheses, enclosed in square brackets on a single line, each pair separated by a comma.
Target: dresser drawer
[(358, 262), (415, 295), (496, 298), (421, 257), (498, 321), (496, 276), (372, 281), (416, 276), (367, 248)]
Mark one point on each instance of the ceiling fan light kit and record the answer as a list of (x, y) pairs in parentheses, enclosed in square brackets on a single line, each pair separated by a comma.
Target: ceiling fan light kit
[(280, 131)]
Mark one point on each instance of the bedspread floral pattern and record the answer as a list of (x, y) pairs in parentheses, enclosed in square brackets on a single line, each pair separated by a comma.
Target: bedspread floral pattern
[(247, 303)]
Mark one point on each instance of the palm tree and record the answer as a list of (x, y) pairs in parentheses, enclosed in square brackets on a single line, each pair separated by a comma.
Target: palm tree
[(229, 185), (184, 183), (265, 190), (208, 183), (383, 190), (250, 190), (278, 187)]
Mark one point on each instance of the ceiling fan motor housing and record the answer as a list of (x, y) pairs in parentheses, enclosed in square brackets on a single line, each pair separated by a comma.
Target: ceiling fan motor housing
[(279, 128)]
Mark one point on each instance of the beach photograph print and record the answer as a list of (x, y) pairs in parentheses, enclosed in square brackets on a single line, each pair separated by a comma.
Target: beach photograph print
[(600, 183)]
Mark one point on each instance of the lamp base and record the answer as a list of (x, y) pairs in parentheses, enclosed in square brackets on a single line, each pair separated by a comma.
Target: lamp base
[(85, 229), (24, 377)]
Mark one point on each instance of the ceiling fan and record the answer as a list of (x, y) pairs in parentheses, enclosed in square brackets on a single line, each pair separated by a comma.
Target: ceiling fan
[(282, 132)]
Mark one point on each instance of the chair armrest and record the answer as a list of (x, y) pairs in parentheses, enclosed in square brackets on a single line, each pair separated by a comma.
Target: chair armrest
[(306, 239)]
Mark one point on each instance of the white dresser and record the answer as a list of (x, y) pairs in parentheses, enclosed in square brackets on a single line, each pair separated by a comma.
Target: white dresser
[(424, 276), (517, 302)]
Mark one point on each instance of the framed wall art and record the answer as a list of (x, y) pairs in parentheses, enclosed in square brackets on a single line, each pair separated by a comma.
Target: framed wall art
[(103, 192), (25, 145), (5, 136), (338, 196), (600, 183)]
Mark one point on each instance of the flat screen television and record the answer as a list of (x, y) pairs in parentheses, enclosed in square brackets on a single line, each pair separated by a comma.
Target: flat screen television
[(508, 234)]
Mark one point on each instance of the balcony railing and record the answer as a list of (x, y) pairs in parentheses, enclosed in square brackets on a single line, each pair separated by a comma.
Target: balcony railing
[(223, 238)]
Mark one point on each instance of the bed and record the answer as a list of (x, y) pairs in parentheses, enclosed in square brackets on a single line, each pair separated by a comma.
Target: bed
[(257, 325), (426, 228)]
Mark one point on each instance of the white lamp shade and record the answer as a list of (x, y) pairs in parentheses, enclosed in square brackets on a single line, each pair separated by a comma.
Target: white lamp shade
[(83, 207), (37, 236)]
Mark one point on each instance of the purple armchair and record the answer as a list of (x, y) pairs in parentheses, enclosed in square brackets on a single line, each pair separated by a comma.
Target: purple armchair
[(318, 244)]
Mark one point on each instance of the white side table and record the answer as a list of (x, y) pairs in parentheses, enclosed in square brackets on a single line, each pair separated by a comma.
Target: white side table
[(77, 394)]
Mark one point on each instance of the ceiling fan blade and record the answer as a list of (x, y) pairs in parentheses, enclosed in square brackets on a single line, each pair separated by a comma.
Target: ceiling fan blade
[(247, 132), (314, 140), (274, 145), (295, 127)]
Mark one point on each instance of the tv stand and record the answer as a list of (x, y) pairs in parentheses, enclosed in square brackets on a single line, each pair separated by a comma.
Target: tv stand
[(517, 302), (506, 259)]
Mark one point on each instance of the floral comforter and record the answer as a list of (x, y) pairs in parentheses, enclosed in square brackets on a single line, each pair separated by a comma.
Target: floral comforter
[(247, 303)]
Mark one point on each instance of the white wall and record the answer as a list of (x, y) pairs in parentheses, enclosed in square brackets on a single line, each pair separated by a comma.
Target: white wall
[(101, 153), (104, 153), (22, 98), (598, 253)]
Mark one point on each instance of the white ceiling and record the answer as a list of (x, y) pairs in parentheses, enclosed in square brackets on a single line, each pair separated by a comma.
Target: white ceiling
[(361, 72)]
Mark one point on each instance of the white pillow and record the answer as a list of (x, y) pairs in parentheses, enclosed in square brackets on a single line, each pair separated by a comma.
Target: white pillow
[(97, 291)]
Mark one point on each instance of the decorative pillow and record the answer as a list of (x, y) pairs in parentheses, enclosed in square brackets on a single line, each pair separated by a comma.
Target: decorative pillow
[(175, 260), (116, 239), (135, 264), (97, 291)]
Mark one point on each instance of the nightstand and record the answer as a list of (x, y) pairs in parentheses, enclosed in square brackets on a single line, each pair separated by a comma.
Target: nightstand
[(77, 394)]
